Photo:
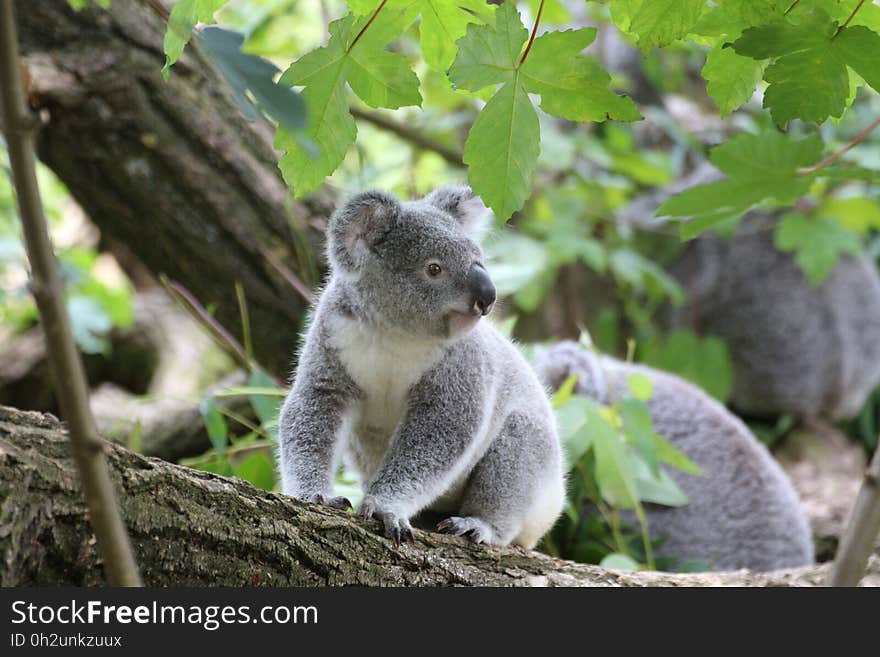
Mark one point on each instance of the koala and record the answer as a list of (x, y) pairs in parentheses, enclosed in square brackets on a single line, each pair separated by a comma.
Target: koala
[(398, 375), (812, 351), (743, 512)]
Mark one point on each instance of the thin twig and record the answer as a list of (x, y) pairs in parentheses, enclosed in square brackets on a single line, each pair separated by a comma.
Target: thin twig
[(245, 320), (791, 6), (69, 378), (415, 137), (159, 9), (847, 21), (223, 337), (834, 156), (861, 530), (369, 22), (292, 279), (534, 32)]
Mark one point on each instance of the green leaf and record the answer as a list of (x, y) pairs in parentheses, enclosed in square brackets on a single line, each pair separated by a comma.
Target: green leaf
[(702, 361), (258, 469), (670, 454), (619, 561), (264, 405), (565, 391), (572, 417), (254, 74), (380, 78), (640, 386), (502, 150), (818, 242), (808, 78), (658, 487), (660, 22), (730, 17), (238, 391), (731, 78), (760, 167), (489, 54), (858, 215), (639, 431), (614, 472), (185, 15), (504, 142), (215, 424), (573, 87), (444, 23)]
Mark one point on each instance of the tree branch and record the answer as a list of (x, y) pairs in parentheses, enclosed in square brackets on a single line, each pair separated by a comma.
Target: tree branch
[(68, 375), (861, 530), (415, 137), (837, 154), (193, 528), (172, 169)]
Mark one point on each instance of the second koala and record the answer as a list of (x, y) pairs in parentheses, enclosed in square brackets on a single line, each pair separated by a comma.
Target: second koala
[(433, 407), (743, 511)]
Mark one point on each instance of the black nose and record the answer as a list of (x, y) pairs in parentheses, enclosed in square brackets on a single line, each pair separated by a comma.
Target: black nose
[(481, 288)]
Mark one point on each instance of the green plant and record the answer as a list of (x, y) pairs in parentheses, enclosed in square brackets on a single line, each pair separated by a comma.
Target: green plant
[(614, 458)]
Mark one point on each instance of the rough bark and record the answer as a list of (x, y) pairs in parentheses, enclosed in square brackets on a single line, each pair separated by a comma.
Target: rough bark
[(170, 169), (196, 528)]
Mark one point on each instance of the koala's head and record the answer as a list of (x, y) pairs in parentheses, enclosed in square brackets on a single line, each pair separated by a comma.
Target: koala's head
[(415, 265)]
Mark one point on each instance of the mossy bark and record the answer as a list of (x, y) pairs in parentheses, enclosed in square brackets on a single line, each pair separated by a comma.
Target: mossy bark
[(192, 528), (170, 169)]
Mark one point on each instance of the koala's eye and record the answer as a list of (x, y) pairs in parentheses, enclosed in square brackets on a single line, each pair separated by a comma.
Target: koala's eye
[(434, 270)]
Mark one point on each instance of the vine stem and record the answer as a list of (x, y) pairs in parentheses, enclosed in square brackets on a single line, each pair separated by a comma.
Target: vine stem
[(834, 156), (847, 21), (534, 32), (369, 22), (791, 6), (68, 376)]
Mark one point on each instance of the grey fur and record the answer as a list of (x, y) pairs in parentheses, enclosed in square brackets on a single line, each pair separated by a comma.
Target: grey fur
[(810, 351), (435, 409), (743, 511)]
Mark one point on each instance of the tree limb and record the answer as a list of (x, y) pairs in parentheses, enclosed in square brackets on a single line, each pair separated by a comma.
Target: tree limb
[(192, 528), (171, 169), (861, 530), (413, 136), (66, 366)]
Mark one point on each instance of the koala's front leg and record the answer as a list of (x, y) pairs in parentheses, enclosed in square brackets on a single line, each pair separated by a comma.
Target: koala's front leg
[(429, 449), (310, 427)]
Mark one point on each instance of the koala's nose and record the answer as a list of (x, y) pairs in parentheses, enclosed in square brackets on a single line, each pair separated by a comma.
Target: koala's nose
[(481, 288)]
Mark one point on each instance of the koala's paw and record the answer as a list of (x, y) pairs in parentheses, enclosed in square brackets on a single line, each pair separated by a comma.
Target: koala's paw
[(397, 527), (335, 502), (479, 531)]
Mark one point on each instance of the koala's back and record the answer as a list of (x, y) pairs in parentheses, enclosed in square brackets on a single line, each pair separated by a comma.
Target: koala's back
[(743, 511), (796, 348)]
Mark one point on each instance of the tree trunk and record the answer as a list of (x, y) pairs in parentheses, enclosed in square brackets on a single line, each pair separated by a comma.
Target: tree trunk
[(170, 169), (193, 528)]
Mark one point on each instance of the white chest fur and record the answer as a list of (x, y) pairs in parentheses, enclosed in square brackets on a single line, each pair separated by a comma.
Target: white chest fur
[(385, 368)]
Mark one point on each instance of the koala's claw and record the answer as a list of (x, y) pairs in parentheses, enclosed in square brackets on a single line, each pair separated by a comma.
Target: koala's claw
[(333, 502), (397, 527), (478, 531)]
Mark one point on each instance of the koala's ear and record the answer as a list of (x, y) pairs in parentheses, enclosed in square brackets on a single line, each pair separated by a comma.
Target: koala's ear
[(357, 226), (465, 206)]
